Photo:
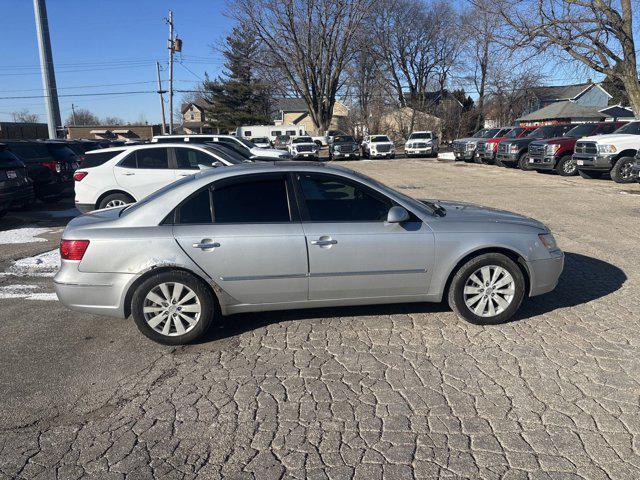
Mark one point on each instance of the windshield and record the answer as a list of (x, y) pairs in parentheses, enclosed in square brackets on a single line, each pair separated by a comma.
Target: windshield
[(260, 140), (344, 138), (490, 133), (547, 131), (232, 149), (581, 130), (420, 135), (247, 143), (514, 132), (226, 154), (380, 138), (302, 140), (632, 128)]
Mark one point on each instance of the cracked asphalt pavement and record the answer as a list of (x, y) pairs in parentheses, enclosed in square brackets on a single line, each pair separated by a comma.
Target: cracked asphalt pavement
[(402, 391)]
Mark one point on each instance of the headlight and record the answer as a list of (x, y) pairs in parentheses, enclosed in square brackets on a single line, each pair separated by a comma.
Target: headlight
[(552, 148), (513, 148), (548, 241), (607, 149)]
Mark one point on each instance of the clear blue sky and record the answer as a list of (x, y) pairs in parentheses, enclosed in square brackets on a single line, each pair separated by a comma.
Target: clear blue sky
[(107, 42)]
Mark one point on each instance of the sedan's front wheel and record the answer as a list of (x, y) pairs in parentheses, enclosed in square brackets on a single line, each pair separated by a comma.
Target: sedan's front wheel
[(487, 290), (173, 308)]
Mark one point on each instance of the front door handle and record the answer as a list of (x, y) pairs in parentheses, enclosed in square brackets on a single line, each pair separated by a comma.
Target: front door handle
[(206, 244), (324, 241), (128, 174)]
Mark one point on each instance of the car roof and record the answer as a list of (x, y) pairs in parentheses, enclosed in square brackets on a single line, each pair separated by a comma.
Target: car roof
[(142, 146)]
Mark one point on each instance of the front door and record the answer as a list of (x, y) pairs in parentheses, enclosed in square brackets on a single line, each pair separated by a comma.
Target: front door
[(144, 171), (353, 252), (244, 234)]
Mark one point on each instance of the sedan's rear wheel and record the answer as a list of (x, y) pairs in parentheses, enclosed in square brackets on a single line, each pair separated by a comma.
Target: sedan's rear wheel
[(173, 308), (487, 290)]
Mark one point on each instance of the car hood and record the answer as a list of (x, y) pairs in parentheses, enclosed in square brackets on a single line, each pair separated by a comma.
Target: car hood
[(523, 141), (469, 212), (611, 138), (469, 139)]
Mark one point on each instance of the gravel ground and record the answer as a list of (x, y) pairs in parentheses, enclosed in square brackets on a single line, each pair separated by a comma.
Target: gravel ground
[(403, 391)]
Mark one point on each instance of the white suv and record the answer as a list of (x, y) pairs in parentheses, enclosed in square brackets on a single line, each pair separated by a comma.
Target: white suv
[(378, 146), (118, 176), (303, 147)]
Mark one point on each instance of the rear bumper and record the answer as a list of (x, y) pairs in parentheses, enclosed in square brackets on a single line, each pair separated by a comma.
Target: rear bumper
[(16, 196), (54, 188), (544, 274), (95, 293)]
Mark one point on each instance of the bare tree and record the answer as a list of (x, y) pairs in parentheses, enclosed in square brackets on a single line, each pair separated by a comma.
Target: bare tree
[(596, 33), (112, 121), (417, 44), (24, 116), (310, 42), (82, 116)]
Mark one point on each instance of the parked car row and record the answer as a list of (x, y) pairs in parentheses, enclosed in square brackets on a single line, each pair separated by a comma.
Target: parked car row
[(586, 149)]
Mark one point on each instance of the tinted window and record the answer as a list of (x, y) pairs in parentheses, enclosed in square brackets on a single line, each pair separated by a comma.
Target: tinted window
[(129, 162), (514, 132), (581, 130), (62, 152), (252, 201), (30, 151), (152, 158), (302, 140), (420, 136), (8, 159), (190, 159), (630, 129), (291, 132), (606, 129), (330, 199), (247, 133), (235, 150), (197, 209), (98, 158), (380, 138)]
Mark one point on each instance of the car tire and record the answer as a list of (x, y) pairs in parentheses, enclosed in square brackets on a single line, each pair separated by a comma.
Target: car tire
[(590, 175), (523, 162), (115, 200), (622, 171), (465, 289), (163, 286), (566, 166)]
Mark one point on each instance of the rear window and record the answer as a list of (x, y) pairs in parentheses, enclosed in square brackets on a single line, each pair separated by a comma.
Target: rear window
[(62, 152), (30, 151), (98, 158), (8, 159)]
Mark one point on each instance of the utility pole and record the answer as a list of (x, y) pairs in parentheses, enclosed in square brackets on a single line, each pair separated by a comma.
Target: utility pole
[(73, 113), (46, 67), (171, 51), (160, 92)]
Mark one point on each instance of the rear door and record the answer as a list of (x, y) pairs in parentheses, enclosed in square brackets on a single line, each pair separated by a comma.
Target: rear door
[(144, 171), (245, 234)]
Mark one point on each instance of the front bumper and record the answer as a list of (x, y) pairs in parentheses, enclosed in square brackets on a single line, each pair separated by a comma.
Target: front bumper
[(507, 157), (487, 156), (305, 156), (599, 162), (382, 154), (410, 151), (547, 162), (544, 274), (346, 155), (95, 293), (466, 155)]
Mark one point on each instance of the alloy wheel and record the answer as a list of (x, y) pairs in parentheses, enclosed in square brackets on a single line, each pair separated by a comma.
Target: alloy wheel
[(115, 203), (626, 171), (489, 291), (570, 167), (172, 309)]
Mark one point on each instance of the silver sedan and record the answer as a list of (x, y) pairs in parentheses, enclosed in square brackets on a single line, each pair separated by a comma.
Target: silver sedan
[(289, 235)]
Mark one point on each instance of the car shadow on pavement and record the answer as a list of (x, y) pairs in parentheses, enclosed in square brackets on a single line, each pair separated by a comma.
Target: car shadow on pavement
[(584, 279)]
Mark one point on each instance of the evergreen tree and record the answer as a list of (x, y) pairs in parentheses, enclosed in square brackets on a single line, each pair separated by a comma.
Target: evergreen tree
[(238, 97)]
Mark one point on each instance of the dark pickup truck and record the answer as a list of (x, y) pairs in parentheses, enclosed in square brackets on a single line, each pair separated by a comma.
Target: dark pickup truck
[(16, 188), (344, 146), (514, 153), (556, 154)]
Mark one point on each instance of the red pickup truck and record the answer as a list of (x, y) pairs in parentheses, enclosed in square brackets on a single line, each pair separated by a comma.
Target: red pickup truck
[(555, 154), (486, 150)]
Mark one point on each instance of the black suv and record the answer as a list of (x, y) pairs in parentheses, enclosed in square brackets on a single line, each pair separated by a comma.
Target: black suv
[(344, 146), (50, 165), (16, 188)]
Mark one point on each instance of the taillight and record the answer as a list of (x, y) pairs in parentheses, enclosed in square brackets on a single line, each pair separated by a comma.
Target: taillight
[(81, 158), (73, 249), (78, 176), (51, 166)]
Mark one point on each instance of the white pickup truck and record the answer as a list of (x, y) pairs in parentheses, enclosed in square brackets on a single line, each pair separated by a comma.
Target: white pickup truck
[(613, 153), (378, 146)]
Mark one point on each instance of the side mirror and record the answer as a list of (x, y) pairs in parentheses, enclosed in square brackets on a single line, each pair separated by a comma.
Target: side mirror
[(397, 214)]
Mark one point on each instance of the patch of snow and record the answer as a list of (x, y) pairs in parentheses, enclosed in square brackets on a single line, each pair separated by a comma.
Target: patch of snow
[(27, 292), (446, 156), (23, 235), (43, 265)]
